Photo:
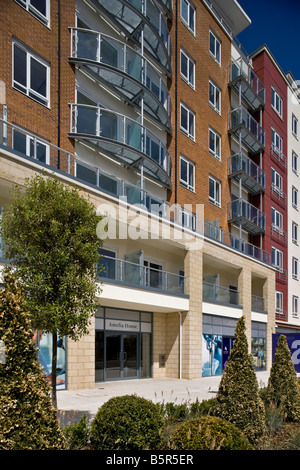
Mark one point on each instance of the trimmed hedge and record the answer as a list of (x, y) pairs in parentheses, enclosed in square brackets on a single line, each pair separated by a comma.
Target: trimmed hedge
[(208, 433), (128, 422)]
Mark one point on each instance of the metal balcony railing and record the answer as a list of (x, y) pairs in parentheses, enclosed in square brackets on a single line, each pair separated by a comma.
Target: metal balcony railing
[(253, 177), (241, 74), (258, 303), (278, 156), (220, 294), (249, 216), (126, 272), (240, 122), (113, 61)]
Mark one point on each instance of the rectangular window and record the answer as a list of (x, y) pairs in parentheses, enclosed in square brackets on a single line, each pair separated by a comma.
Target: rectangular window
[(214, 143), (31, 74), (187, 121), (214, 97), (187, 173), (295, 306), (277, 258), (188, 15), (38, 8), (279, 302), (276, 102), (30, 146), (214, 189), (295, 125), (187, 68), (294, 197), (295, 268), (294, 162), (215, 47), (276, 181), (276, 142), (295, 233), (277, 220)]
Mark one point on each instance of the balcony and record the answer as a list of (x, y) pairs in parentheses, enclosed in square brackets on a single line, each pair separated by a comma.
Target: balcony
[(278, 234), (242, 167), (141, 21), (122, 138), (248, 216), (124, 70), (219, 294), (257, 303), (278, 195), (278, 156), (241, 123), (241, 77), (133, 274)]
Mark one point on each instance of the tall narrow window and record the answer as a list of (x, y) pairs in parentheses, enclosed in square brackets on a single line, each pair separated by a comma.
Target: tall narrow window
[(187, 173), (295, 125), (187, 121), (276, 142), (214, 96), (214, 191), (214, 143), (188, 15), (276, 102), (294, 197), (38, 8), (187, 68), (276, 181), (277, 258), (215, 47), (31, 74), (277, 218), (295, 268), (294, 162), (295, 233), (295, 300), (279, 302)]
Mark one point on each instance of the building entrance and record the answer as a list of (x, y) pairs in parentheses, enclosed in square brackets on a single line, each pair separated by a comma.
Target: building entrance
[(121, 355)]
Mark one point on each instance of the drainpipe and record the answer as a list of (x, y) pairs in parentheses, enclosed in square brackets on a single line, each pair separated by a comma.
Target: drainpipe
[(176, 95), (59, 84), (180, 345)]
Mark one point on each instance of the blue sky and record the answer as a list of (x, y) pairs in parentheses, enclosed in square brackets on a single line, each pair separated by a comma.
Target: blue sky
[(275, 23)]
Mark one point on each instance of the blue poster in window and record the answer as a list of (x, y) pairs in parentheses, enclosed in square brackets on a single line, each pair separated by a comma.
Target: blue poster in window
[(293, 341)]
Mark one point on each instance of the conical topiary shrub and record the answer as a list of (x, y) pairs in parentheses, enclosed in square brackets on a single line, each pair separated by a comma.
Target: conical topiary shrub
[(283, 388), (27, 419), (238, 400)]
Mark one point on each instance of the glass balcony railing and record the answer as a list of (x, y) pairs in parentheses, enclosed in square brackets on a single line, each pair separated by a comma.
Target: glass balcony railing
[(56, 159), (249, 216), (220, 294), (126, 138), (126, 272), (132, 16), (258, 303), (241, 122), (240, 74), (114, 60), (253, 177)]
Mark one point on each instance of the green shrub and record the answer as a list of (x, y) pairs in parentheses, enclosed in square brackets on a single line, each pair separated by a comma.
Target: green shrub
[(128, 422), (174, 413), (77, 435), (208, 433), (202, 408)]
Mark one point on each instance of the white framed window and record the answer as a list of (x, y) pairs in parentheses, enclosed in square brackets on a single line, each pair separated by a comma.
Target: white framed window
[(294, 268), (215, 47), (214, 143), (295, 197), (295, 125), (187, 173), (276, 102), (277, 258), (276, 181), (295, 300), (30, 146), (278, 302), (187, 121), (277, 220), (276, 142), (31, 74), (295, 233), (188, 15), (187, 68), (214, 191), (38, 8), (294, 162), (214, 96)]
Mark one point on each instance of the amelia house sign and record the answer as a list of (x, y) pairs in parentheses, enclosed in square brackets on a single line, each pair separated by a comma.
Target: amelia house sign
[(121, 325)]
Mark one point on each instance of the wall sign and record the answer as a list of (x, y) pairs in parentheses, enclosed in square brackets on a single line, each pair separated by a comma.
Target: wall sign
[(293, 341), (122, 325)]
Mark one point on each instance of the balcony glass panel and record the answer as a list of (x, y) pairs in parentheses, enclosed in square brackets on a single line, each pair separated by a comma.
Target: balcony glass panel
[(253, 135), (241, 74), (216, 293), (252, 175), (258, 303), (247, 214)]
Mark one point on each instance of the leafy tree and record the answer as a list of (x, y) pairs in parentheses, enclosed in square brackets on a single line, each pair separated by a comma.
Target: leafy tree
[(49, 234), (28, 420), (238, 400), (283, 389)]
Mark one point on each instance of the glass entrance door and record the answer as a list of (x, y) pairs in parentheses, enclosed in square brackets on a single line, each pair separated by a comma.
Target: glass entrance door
[(121, 355)]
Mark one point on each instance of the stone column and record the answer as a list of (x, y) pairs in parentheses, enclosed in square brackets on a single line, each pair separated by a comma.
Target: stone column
[(245, 290), (269, 299)]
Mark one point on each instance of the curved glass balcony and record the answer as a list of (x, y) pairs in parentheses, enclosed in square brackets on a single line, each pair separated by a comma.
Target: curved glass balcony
[(122, 138), (123, 68), (141, 21)]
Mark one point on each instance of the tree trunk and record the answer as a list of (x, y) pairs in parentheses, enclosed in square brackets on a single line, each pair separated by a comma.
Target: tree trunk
[(53, 375)]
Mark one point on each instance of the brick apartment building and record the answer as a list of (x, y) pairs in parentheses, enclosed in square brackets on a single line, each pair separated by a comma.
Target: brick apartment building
[(153, 109)]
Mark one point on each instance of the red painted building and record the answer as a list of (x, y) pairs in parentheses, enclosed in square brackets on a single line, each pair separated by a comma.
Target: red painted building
[(274, 162)]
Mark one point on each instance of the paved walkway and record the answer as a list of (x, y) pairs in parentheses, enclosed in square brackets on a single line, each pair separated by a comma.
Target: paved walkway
[(72, 404)]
